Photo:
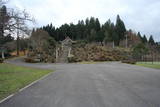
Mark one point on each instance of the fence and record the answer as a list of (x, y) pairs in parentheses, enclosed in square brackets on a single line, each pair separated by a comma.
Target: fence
[(152, 59)]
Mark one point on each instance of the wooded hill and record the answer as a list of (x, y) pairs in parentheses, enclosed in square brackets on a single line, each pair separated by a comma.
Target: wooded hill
[(105, 38), (91, 30)]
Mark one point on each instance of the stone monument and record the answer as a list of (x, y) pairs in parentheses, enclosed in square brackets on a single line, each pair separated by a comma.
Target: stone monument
[(64, 51)]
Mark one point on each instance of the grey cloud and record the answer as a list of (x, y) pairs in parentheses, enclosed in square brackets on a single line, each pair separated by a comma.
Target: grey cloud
[(139, 15)]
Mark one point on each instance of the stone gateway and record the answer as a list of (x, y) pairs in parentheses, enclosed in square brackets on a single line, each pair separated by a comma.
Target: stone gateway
[(64, 51)]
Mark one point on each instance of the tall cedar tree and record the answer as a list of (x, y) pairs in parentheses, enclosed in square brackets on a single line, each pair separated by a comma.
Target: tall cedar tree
[(120, 29)]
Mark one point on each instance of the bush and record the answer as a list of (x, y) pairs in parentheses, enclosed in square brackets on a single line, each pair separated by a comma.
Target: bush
[(31, 60), (72, 59), (49, 59), (92, 52), (129, 61), (103, 57), (139, 50), (1, 60)]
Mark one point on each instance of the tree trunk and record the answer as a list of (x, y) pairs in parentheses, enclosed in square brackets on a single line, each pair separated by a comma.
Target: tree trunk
[(17, 45), (24, 52), (152, 58)]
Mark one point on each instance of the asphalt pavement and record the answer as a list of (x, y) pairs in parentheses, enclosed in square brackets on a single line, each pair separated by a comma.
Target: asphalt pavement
[(110, 84)]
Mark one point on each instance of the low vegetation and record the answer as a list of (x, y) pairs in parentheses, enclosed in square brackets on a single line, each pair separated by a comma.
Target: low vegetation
[(13, 78), (149, 64), (99, 53)]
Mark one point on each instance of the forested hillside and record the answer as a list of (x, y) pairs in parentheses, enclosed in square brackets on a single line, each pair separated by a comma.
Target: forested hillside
[(91, 30)]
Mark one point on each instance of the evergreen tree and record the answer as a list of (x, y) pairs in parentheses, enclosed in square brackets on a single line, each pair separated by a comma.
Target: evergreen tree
[(110, 32), (92, 35), (90, 30), (100, 37), (3, 20), (107, 37), (98, 26), (107, 30), (73, 32), (139, 35), (151, 40), (92, 23), (144, 39), (120, 29)]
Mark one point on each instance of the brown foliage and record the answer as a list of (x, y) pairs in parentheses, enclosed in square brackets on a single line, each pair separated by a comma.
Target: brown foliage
[(98, 53)]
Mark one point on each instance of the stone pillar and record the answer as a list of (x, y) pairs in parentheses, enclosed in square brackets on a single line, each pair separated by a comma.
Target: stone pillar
[(57, 54), (69, 53), (113, 44)]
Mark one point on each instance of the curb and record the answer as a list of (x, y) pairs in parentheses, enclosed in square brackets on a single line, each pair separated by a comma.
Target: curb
[(20, 90)]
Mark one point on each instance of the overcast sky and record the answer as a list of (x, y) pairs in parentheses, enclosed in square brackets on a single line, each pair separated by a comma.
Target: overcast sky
[(139, 15)]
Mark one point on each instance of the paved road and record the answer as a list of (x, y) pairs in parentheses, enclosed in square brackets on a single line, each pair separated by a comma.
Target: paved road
[(91, 85)]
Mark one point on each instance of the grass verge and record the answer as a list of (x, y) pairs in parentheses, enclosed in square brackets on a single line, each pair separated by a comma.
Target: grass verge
[(87, 62), (13, 78), (93, 62), (155, 65)]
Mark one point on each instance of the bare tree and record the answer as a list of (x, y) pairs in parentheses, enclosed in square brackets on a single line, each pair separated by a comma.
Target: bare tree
[(19, 20), (14, 20)]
